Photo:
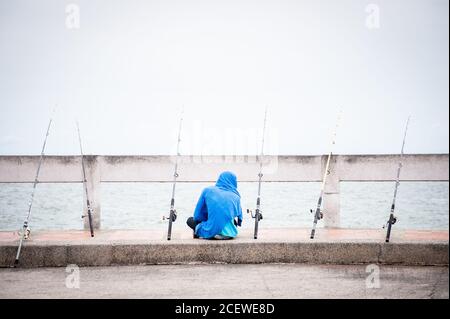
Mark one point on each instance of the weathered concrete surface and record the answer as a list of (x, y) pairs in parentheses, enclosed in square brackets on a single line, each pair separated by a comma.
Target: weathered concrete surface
[(290, 245), (416, 167), (227, 281)]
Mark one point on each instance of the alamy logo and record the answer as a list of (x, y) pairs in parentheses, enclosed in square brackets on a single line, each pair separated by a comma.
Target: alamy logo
[(373, 280), (373, 18), (73, 279), (72, 16)]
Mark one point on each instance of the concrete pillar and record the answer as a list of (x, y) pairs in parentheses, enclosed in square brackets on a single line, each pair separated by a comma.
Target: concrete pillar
[(331, 207), (93, 186)]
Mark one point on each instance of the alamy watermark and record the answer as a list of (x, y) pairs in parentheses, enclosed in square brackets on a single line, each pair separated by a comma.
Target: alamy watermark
[(229, 146), (373, 17), (73, 277), (373, 279), (72, 16)]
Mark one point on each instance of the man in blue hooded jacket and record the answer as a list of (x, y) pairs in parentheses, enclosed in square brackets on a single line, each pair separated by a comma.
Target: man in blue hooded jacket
[(218, 210)]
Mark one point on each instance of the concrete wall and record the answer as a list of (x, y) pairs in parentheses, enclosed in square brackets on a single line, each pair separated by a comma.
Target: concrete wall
[(427, 167)]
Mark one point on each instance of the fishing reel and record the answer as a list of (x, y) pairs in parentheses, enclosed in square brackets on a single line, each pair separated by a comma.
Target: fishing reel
[(25, 233), (89, 209), (319, 216), (256, 215), (392, 220), (84, 216), (173, 216)]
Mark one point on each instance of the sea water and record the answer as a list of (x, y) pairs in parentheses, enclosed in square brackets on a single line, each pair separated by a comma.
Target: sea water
[(420, 205)]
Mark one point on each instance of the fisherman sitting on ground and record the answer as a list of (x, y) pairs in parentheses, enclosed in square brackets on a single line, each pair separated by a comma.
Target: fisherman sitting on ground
[(218, 210)]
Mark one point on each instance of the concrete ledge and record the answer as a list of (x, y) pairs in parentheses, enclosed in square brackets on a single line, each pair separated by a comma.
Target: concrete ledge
[(336, 246)]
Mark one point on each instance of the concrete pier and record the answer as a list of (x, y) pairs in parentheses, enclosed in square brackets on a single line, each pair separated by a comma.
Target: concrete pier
[(266, 281), (290, 245)]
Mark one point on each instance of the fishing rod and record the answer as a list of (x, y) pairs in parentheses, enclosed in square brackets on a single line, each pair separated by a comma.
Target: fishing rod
[(85, 186), (258, 216), (319, 213), (26, 229), (392, 219), (173, 213)]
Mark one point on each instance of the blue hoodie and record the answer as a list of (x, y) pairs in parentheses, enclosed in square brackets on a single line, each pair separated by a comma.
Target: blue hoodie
[(217, 208)]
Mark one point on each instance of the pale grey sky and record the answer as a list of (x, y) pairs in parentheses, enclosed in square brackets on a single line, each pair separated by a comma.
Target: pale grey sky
[(130, 66)]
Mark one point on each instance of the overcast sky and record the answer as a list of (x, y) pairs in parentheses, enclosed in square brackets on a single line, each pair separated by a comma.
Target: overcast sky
[(126, 69)]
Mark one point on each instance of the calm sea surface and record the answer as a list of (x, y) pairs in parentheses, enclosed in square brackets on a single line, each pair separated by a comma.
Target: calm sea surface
[(420, 205)]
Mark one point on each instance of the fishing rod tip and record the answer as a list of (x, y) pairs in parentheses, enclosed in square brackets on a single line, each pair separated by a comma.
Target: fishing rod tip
[(54, 109)]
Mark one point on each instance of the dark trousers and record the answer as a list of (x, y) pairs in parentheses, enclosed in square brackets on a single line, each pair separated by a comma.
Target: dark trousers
[(192, 223)]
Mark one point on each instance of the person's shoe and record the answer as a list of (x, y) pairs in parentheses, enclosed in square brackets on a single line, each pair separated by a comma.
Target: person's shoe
[(195, 236)]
